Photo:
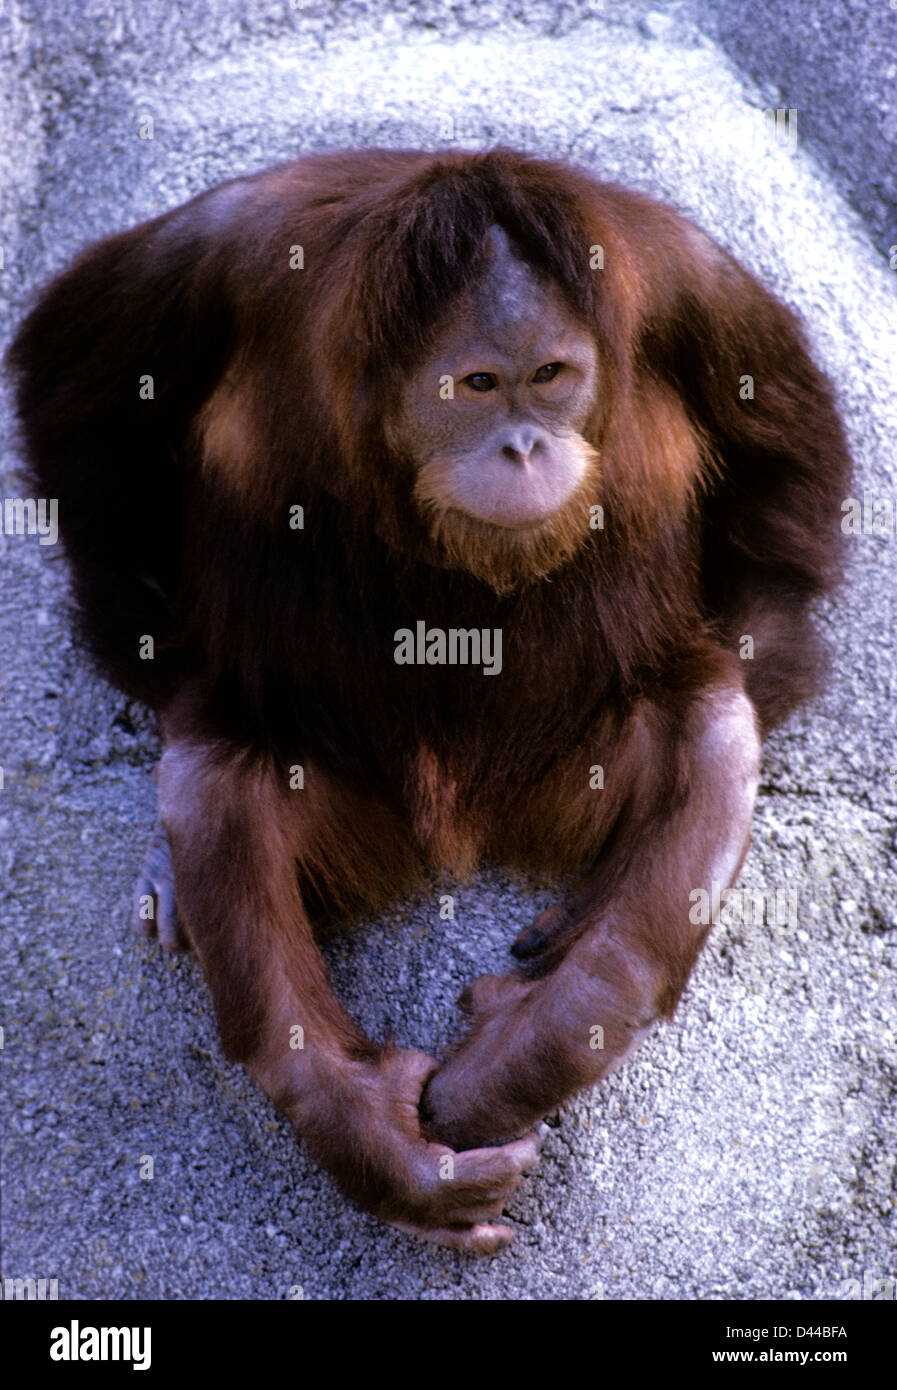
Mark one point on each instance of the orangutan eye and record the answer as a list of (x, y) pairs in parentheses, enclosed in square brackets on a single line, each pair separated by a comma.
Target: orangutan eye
[(547, 373), (481, 381)]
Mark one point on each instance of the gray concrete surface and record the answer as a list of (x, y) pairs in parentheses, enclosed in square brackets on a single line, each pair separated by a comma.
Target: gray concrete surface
[(748, 1149), (836, 65)]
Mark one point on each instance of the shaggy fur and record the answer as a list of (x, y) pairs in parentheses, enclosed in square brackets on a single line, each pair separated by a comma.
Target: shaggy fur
[(274, 646)]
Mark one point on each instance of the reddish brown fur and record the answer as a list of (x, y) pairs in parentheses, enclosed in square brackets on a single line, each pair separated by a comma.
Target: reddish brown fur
[(274, 648)]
